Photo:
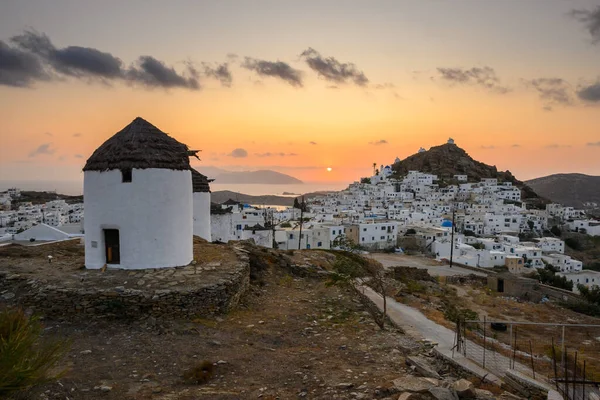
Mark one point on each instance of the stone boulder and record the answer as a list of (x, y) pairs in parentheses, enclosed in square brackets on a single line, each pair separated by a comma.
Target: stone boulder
[(464, 389), (441, 393), (422, 366), (414, 384)]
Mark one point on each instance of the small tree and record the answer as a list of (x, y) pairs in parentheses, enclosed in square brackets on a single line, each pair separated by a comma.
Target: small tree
[(556, 230), (343, 242), (530, 224)]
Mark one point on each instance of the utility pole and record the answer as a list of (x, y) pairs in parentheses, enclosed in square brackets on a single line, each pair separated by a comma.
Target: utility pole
[(301, 221), (452, 238)]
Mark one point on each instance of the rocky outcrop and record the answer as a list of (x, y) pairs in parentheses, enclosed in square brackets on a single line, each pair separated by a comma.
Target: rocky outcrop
[(448, 160)]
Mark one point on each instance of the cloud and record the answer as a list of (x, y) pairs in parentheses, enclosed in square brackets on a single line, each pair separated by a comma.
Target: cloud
[(593, 144), (485, 77), (275, 69), (19, 68), (488, 147), (48, 134), (154, 73), (590, 93), (314, 143), (43, 149), (238, 153), (515, 145), (591, 21), (281, 154), (72, 60), (379, 142), (232, 56), (386, 85), (332, 70), (553, 91), (34, 58), (78, 156), (556, 146), (220, 72), (77, 134)]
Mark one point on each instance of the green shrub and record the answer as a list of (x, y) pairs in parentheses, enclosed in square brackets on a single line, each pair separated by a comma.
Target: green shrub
[(285, 225), (25, 357), (454, 313), (582, 307)]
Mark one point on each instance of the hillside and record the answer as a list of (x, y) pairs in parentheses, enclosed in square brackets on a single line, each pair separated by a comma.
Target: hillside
[(448, 160), (568, 189)]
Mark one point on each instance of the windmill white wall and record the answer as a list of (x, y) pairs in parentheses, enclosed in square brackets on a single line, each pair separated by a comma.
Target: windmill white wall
[(153, 214), (202, 215)]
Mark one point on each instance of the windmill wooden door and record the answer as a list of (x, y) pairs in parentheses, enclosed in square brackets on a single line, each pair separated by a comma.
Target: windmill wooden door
[(111, 243)]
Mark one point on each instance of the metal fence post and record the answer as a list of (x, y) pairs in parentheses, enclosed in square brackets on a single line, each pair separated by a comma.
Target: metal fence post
[(562, 354), (484, 339)]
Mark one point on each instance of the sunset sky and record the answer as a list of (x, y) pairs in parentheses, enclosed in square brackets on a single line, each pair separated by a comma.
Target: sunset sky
[(301, 86)]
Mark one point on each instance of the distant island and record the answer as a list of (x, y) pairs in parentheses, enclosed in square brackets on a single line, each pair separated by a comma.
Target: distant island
[(290, 194), (222, 196), (263, 177)]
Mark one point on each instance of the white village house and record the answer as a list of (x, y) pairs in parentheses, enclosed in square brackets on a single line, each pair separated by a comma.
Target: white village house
[(138, 201)]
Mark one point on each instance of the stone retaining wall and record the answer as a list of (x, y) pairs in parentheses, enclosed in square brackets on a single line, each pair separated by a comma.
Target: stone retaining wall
[(203, 299)]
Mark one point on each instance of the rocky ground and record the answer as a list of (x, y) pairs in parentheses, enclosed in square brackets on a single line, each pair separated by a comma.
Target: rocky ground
[(292, 337)]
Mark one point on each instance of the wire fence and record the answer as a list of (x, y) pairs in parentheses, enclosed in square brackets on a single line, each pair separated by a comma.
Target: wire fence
[(564, 356)]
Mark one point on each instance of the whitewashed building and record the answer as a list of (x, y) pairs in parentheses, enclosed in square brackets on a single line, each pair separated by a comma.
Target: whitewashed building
[(138, 201), (201, 204)]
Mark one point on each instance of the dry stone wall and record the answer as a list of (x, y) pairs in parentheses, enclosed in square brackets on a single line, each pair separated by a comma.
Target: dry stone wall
[(179, 298)]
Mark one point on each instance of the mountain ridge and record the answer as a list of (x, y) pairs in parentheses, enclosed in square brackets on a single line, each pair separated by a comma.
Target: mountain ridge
[(570, 189)]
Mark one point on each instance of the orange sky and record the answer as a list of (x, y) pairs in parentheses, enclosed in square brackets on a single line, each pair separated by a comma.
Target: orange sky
[(50, 127)]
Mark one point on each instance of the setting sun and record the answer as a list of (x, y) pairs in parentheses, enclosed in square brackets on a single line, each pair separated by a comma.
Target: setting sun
[(328, 169)]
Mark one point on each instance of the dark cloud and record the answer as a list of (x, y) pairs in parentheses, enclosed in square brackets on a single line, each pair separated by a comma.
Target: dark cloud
[(593, 144), (333, 70), (78, 156), (43, 149), (35, 57), (48, 134), (281, 154), (312, 142), (232, 56), (154, 73), (485, 77), (77, 134), (590, 93), (19, 68), (492, 147), (238, 153), (515, 145), (553, 91), (591, 21), (379, 142), (556, 146), (275, 69), (220, 72), (81, 62)]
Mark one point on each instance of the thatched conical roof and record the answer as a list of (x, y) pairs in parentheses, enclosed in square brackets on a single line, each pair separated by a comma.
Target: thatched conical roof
[(200, 183), (140, 145)]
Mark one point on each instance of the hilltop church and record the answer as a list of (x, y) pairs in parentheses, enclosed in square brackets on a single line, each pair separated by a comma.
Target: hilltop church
[(143, 201)]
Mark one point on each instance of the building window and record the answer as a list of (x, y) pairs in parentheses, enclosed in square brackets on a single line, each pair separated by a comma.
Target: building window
[(363, 239), (319, 244), (126, 174), (291, 235), (238, 227)]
